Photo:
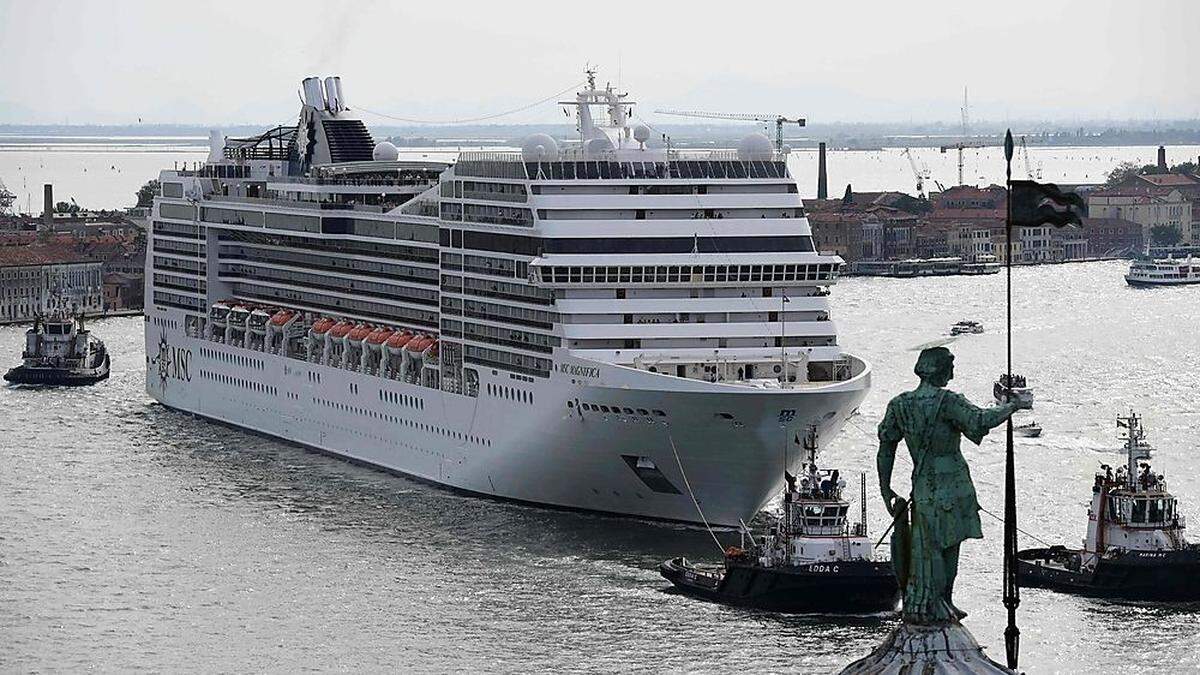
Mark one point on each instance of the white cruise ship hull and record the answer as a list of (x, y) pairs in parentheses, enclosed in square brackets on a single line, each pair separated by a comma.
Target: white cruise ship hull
[(518, 440)]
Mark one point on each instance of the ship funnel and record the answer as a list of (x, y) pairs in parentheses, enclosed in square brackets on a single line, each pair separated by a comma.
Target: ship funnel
[(312, 92), (333, 94), (216, 145)]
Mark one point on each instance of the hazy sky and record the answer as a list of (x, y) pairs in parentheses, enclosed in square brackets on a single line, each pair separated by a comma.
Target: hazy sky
[(113, 61)]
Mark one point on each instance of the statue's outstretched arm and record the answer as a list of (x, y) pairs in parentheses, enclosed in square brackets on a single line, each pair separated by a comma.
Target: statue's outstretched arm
[(975, 422)]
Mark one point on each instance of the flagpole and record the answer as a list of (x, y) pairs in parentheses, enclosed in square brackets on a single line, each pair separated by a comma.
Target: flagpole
[(1012, 598)]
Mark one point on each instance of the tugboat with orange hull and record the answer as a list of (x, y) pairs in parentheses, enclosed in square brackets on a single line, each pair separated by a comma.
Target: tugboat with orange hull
[(1135, 546), (809, 561)]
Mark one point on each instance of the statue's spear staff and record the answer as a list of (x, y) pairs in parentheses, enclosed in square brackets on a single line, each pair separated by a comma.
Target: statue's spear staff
[(1012, 589), (1028, 204)]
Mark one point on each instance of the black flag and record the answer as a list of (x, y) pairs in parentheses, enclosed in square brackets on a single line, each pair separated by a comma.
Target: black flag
[(1035, 204)]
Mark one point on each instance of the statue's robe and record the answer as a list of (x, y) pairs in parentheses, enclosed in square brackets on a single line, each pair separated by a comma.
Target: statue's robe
[(945, 511)]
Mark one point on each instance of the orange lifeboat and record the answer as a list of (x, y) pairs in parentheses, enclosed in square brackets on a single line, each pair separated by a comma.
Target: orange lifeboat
[(360, 332), (341, 329), (433, 350), (420, 344), (379, 336), (281, 317), (398, 340), (323, 325)]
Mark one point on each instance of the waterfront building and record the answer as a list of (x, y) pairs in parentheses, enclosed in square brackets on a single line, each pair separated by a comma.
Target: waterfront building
[(1147, 205), (838, 233), (1187, 185), (970, 241), (37, 278), (1013, 251), (1109, 237), (1036, 243)]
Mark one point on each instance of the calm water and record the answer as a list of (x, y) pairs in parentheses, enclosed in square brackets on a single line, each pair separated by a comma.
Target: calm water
[(135, 537), (107, 174)]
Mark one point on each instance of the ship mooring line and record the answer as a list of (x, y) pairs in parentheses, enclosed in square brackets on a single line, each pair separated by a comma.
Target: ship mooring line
[(688, 485), (469, 120), (1031, 536)]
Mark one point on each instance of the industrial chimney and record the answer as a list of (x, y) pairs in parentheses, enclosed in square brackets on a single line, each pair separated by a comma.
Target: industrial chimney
[(822, 179), (1162, 159), (48, 206)]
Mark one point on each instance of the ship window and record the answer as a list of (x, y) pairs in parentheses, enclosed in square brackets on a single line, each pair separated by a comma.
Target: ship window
[(1156, 511), (1139, 510)]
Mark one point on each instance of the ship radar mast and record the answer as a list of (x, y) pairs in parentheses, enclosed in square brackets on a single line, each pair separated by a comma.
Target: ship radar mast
[(1136, 447), (596, 138)]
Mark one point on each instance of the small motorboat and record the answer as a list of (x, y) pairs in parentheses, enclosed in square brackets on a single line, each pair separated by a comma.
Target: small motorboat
[(1018, 388), (967, 328), (1135, 546), (1030, 429), (811, 560)]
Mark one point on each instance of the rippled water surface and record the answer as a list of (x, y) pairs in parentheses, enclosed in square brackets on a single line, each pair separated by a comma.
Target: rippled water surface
[(135, 537)]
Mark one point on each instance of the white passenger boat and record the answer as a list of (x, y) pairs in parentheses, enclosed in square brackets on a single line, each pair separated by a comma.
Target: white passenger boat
[(1163, 272), (1018, 388)]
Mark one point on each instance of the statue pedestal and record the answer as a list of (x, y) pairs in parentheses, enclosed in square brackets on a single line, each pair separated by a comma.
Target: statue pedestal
[(939, 648)]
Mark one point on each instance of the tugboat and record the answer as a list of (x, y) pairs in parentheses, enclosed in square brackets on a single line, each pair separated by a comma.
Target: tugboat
[(809, 561), (60, 351), (1135, 548), (1019, 388), (967, 328)]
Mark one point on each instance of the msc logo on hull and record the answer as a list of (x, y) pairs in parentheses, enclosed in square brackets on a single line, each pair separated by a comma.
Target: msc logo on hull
[(172, 362)]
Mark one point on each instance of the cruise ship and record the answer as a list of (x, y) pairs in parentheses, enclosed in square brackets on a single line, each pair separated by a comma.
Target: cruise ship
[(602, 323)]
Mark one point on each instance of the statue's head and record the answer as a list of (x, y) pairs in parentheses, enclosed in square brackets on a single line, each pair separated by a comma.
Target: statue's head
[(935, 366)]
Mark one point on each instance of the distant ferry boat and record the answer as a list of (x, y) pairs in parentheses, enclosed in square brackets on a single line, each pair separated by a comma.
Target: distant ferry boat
[(926, 267), (600, 325), (1163, 272), (60, 351)]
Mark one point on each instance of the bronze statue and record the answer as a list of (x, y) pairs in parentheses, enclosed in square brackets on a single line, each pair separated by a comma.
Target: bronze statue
[(944, 510)]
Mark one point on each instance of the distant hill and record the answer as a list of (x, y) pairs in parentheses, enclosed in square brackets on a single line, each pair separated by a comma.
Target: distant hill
[(837, 135)]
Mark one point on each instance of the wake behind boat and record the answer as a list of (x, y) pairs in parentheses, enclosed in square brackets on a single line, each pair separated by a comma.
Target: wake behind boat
[(60, 351)]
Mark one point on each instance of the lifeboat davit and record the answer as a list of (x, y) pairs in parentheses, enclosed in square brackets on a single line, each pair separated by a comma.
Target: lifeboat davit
[(281, 317), (360, 332), (341, 329), (433, 351), (323, 325), (379, 336), (398, 340)]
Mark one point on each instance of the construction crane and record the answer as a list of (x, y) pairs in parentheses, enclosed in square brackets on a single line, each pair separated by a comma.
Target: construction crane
[(919, 174), (960, 146), (778, 120), (1029, 172), (966, 133)]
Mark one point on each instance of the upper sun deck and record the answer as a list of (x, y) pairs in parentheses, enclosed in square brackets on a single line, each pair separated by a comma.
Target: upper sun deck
[(576, 164)]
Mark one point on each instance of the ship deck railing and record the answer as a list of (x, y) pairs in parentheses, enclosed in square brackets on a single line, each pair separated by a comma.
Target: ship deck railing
[(295, 204)]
